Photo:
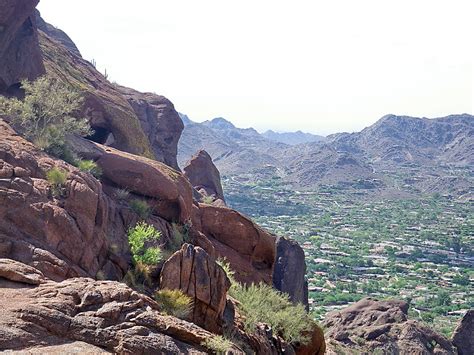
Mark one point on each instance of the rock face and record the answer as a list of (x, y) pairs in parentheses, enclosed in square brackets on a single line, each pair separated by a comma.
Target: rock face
[(62, 236), (370, 324), (249, 249), (204, 176), (160, 121), (20, 56), (463, 336), (290, 270), (194, 272), (105, 314)]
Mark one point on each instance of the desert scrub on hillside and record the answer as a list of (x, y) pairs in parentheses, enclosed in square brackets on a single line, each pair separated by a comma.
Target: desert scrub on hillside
[(218, 344), (138, 237), (57, 179), (174, 302), (122, 194), (89, 166), (261, 303), (141, 208), (47, 114)]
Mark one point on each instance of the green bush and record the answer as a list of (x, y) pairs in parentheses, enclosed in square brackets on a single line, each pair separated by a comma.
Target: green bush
[(141, 208), (138, 237), (263, 304), (47, 114), (57, 178), (218, 344), (174, 302), (208, 200), (90, 166)]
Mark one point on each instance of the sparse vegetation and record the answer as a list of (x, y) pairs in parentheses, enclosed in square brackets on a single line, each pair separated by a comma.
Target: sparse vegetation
[(47, 114), (122, 194), (208, 200), (174, 302), (138, 277), (141, 208), (218, 344), (91, 167), (263, 304), (138, 238), (57, 178)]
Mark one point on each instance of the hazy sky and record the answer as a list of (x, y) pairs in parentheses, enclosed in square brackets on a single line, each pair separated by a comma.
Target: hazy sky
[(318, 66)]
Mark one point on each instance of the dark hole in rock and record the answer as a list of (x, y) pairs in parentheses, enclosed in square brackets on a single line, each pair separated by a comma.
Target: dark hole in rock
[(15, 90), (101, 135)]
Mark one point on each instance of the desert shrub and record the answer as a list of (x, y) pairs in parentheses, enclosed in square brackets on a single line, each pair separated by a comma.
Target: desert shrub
[(179, 235), (89, 166), (263, 304), (222, 262), (122, 194), (47, 114), (141, 208), (218, 344), (207, 200), (138, 237), (138, 277), (57, 178), (174, 302)]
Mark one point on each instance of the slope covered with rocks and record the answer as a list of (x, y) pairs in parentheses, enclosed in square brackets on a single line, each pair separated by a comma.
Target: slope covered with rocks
[(59, 242)]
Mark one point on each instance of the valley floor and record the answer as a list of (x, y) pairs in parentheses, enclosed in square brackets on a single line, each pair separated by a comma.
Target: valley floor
[(420, 250)]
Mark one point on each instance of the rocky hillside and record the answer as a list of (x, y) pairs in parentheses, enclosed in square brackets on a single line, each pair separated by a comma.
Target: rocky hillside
[(60, 240), (69, 278), (397, 156)]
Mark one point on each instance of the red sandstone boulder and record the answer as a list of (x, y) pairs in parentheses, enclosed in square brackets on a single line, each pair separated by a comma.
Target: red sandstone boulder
[(204, 177), (194, 272), (249, 249)]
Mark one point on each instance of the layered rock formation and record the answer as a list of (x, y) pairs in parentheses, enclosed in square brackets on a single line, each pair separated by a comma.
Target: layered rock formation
[(205, 178), (370, 325)]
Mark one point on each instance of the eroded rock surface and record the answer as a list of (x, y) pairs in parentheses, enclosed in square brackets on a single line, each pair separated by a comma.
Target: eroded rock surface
[(205, 178), (61, 235), (371, 325), (290, 270), (194, 272), (249, 249)]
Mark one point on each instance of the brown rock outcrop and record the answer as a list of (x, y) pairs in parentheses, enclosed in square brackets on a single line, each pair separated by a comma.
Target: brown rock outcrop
[(160, 122), (316, 345), (463, 336), (20, 56), (142, 176), (249, 249), (62, 236), (290, 270), (105, 314), (194, 272), (383, 325), (205, 178)]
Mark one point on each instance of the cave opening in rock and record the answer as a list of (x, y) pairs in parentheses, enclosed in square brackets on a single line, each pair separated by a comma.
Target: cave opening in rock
[(101, 135)]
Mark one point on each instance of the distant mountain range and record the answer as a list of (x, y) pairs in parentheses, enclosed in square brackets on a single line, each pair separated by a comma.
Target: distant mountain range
[(292, 138), (396, 155)]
